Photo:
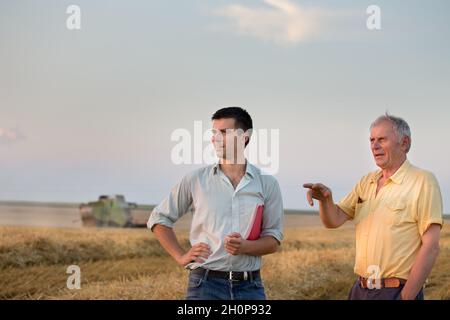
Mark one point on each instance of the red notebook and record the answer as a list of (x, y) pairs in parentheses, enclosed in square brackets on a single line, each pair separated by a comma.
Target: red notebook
[(254, 230)]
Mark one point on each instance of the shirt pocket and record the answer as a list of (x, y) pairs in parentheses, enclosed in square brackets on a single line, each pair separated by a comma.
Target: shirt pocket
[(395, 212), (362, 210)]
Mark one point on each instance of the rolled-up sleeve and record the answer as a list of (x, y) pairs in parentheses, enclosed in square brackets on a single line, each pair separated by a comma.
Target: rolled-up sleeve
[(273, 213), (173, 207), (348, 203)]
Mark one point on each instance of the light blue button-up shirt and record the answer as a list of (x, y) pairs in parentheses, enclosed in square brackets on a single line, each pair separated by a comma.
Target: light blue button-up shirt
[(219, 210)]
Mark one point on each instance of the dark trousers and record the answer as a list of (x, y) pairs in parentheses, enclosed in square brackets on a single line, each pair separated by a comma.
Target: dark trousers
[(358, 293)]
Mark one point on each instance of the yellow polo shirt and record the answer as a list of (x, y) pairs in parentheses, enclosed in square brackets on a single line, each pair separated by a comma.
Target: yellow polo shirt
[(389, 225)]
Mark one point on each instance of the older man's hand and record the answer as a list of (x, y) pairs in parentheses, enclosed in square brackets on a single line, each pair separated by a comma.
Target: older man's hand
[(317, 191)]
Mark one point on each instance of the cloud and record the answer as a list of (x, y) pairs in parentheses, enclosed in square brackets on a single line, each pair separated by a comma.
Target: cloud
[(279, 21), (10, 136)]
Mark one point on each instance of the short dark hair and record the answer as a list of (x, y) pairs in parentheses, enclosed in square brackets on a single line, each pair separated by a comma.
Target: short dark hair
[(242, 118)]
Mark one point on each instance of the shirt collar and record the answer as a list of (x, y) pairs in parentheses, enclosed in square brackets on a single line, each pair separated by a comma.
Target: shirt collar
[(249, 169), (397, 177)]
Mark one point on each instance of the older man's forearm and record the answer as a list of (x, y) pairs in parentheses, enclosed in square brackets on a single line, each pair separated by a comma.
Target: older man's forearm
[(331, 215), (421, 269)]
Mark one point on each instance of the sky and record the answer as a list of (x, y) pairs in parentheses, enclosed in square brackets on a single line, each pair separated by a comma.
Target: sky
[(92, 111)]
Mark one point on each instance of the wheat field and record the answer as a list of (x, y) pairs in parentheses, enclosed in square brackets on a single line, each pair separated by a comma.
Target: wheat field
[(313, 263)]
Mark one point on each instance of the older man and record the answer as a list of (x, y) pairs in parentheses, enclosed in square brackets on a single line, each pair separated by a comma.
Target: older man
[(398, 216)]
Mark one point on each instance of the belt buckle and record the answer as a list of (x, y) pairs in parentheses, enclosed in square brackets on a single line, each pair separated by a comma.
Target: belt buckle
[(232, 273)]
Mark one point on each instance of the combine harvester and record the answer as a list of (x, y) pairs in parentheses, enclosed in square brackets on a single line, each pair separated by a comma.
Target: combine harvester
[(114, 211)]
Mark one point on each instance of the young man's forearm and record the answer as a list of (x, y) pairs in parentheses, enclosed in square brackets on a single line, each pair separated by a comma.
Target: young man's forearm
[(168, 241), (260, 247)]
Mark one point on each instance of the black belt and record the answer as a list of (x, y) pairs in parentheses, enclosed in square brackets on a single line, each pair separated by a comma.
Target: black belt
[(229, 275)]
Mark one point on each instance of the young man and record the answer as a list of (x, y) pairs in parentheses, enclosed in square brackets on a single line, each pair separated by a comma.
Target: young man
[(398, 216), (237, 217)]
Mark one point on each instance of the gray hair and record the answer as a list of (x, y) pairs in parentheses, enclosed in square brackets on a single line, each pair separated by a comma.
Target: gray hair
[(401, 127)]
